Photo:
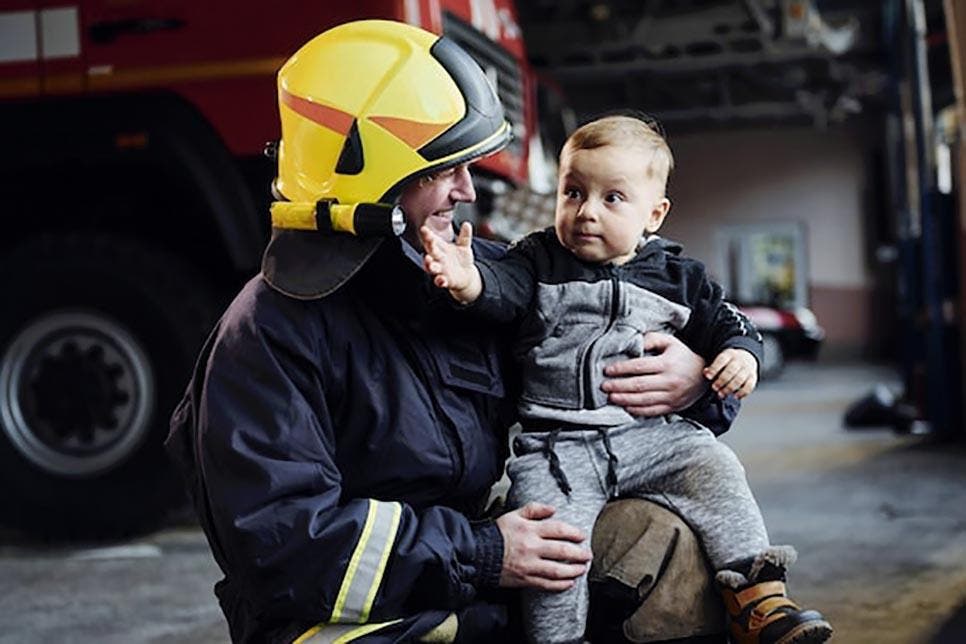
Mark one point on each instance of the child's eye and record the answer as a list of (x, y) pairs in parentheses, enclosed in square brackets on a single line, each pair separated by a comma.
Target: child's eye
[(613, 197), (572, 193)]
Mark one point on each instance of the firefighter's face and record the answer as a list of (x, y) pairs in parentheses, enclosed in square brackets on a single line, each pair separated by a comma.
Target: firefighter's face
[(430, 201)]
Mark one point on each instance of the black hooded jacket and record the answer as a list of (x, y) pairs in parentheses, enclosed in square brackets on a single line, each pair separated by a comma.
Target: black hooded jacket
[(575, 317)]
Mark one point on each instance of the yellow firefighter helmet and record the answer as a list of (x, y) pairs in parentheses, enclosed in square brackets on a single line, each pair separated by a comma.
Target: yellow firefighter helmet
[(365, 108)]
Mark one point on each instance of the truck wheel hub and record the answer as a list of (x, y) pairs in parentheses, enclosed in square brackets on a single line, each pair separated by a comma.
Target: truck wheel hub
[(76, 393)]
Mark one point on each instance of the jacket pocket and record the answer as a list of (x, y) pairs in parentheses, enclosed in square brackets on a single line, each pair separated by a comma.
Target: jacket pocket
[(472, 365)]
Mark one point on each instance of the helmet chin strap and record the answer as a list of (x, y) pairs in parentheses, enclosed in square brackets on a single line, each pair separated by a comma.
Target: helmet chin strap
[(329, 216)]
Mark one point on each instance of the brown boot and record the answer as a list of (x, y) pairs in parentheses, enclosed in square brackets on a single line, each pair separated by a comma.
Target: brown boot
[(759, 610)]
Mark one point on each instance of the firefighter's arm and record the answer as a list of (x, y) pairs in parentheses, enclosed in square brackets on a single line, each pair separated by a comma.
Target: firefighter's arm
[(668, 379), (303, 549)]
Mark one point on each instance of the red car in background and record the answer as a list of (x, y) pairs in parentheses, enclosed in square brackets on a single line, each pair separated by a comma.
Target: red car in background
[(786, 333)]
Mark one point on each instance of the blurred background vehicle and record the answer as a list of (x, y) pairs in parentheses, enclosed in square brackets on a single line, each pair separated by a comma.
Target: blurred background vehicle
[(136, 196), (787, 334), (820, 164)]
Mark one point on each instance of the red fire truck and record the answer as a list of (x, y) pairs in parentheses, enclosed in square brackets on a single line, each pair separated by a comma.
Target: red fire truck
[(135, 200)]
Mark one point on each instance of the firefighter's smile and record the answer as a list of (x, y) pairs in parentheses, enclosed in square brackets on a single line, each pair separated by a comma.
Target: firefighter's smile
[(440, 220)]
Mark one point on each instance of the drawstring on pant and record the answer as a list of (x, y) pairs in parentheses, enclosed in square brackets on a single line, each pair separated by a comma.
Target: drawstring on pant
[(555, 469), (558, 474), (613, 488)]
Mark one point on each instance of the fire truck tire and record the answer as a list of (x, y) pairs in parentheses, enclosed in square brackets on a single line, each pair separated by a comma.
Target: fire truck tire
[(97, 340)]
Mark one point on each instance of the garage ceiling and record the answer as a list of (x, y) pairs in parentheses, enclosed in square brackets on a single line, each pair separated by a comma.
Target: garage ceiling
[(700, 63)]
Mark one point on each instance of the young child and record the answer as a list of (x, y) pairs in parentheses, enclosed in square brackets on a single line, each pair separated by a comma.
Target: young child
[(583, 294)]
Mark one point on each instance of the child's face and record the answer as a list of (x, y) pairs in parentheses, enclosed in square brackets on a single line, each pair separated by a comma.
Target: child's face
[(606, 201)]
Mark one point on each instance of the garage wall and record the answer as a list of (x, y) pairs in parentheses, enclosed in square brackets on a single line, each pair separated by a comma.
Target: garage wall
[(799, 175)]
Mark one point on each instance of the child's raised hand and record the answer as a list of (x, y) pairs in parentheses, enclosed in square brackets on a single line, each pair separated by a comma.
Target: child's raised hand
[(451, 265), (734, 371)]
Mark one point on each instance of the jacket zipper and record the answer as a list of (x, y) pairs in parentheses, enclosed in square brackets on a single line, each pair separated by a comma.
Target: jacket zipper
[(585, 364)]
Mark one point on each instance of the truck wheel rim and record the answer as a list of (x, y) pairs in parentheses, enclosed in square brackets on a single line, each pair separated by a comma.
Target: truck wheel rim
[(76, 393)]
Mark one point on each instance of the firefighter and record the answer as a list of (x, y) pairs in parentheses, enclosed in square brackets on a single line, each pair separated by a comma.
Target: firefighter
[(342, 430)]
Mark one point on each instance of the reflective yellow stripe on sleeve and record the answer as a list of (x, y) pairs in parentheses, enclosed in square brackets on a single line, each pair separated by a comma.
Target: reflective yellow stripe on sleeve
[(364, 573), (340, 633)]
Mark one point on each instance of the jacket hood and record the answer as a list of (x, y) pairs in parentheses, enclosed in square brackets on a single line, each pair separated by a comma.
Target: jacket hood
[(653, 245)]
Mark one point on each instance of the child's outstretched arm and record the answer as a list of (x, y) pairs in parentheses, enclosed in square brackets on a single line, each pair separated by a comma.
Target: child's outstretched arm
[(452, 265), (733, 371)]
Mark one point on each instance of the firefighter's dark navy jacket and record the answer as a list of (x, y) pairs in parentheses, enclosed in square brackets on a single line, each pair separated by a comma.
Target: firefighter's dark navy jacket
[(335, 448)]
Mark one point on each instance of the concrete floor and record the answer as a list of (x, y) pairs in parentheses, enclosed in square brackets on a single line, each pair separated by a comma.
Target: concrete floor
[(879, 521)]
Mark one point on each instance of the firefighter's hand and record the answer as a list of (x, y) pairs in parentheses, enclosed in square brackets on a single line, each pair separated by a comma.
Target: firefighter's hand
[(666, 380), (451, 265), (734, 371), (540, 552)]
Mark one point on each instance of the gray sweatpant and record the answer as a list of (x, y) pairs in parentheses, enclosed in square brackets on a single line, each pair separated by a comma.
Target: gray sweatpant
[(669, 460)]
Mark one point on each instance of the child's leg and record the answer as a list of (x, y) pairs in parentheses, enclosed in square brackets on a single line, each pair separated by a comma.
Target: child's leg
[(684, 466), (548, 616)]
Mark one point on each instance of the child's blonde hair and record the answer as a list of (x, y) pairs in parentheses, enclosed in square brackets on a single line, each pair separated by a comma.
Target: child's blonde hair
[(624, 130)]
